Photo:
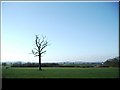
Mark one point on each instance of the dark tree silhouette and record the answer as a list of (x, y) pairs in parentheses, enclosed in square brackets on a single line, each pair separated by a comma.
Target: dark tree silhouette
[(39, 50)]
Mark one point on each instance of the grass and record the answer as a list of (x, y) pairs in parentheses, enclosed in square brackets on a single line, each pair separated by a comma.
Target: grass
[(52, 72)]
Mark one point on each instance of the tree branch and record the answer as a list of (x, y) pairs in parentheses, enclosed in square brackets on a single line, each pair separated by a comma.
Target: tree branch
[(39, 43), (36, 49), (42, 40), (44, 45), (34, 53), (36, 41), (42, 52)]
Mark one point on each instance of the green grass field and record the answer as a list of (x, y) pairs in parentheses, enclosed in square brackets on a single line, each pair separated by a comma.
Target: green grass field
[(52, 72)]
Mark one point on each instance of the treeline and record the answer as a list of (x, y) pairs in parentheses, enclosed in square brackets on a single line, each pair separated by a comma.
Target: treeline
[(108, 63), (29, 64), (34, 65), (114, 62)]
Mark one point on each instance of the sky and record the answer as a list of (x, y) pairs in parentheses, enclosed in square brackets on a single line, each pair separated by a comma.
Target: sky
[(76, 31)]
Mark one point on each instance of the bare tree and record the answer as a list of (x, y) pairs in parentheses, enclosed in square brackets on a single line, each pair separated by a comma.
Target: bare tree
[(39, 50)]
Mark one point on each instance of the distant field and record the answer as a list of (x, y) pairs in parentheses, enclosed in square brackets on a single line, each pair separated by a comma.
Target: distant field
[(60, 72)]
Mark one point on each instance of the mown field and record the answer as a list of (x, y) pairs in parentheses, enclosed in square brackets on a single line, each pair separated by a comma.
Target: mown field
[(60, 72)]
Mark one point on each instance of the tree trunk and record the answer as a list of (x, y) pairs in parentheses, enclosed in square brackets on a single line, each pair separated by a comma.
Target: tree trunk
[(40, 62)]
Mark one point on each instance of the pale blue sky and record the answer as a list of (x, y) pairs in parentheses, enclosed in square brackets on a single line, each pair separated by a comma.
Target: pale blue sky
[(76, 31)]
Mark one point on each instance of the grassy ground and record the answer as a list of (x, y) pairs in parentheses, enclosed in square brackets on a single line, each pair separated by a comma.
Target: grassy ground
[(51, 72)]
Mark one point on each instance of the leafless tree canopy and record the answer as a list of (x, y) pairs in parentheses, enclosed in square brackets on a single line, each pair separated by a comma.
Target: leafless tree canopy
[(40, 45)]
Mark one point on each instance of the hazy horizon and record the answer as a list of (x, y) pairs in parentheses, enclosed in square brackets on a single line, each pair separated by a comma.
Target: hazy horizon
[(76, 31)]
